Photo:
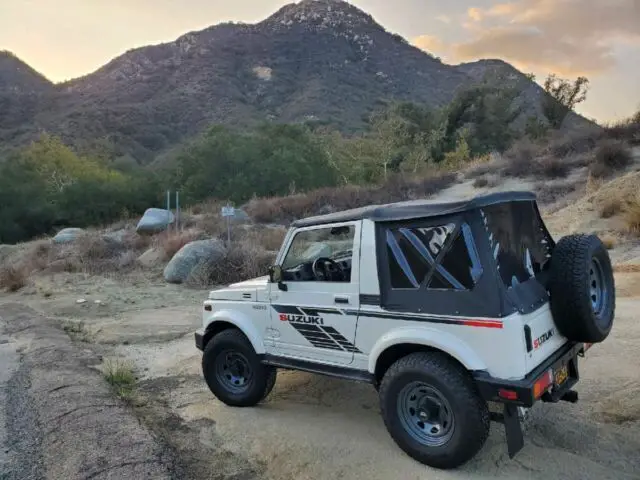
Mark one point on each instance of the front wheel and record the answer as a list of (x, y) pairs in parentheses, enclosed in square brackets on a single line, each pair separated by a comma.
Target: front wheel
[(433, 411), (233, 370)]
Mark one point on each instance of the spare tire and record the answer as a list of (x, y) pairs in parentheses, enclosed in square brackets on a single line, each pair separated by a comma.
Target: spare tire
[(581, 288)]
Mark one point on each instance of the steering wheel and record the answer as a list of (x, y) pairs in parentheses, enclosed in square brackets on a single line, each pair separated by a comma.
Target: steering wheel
[(326, 269)]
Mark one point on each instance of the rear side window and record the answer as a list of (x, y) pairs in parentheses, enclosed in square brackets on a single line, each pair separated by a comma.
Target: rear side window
[(434, 257), (518, 239)]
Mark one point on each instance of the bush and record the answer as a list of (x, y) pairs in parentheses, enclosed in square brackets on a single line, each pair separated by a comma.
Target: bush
[(481, 182), (611, 155), (632, 215), (520, 158), (552, 167), (611, 207), (243, 261), (397, 188), (13, 277)]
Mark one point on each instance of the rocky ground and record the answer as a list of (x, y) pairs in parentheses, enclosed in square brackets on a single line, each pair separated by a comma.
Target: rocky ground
[(311, 427)]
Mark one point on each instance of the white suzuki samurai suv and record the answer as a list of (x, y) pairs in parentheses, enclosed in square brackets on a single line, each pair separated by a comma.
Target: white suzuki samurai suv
[(443, 307)]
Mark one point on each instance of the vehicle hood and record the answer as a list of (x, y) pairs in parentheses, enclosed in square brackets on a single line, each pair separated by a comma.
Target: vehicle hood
[(253, 290)]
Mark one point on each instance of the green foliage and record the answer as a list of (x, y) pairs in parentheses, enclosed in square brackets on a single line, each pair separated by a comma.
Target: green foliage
[(535, 128), (563, 96), (233, 165), (47, 185)]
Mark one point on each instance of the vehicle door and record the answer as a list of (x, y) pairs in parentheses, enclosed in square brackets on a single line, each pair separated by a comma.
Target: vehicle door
[(314, 314)]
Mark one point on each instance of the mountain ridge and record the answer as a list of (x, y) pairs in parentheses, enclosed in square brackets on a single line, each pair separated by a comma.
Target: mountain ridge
[(316, 60)]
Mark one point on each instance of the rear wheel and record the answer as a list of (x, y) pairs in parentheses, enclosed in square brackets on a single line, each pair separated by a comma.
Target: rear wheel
[(582, 288), (233, 371), (433, 411)]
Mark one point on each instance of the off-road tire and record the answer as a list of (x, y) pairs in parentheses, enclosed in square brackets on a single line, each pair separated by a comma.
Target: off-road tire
[(471, 416), (569, 288), (262, 379)]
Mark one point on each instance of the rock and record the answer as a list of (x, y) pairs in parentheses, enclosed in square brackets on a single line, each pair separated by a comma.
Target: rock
[(67, 235), (189, 256), (155, 220), (240, 216), (6, 251), (151, 258)]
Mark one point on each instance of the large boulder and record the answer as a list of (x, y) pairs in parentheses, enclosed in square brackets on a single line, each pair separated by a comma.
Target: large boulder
[(68, 235), (155, 220), (151, 257), (190, 256)]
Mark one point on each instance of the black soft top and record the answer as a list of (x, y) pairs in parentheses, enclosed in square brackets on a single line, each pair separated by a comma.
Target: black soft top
[(415, 209)]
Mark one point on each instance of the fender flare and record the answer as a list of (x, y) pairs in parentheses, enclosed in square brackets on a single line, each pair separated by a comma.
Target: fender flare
[(429, 337), (243, 323)]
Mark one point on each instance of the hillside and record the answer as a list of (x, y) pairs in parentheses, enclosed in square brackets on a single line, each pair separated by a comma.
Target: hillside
[(323, 61)]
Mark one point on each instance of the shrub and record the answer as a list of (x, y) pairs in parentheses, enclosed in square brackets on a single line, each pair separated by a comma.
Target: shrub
[(120, 376), (609, 241), (244, 260), (481, 182), (396, 188), (13, 277), (552, 167), (611, 155), (632, 215), (611, 207), (520, 159)]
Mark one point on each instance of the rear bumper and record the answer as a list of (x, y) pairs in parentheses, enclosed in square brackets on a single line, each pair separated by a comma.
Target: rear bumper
[(522, 392), (199, 335)]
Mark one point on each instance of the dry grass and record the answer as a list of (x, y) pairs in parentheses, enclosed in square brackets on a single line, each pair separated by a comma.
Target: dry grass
[(13, 277), (627, 268), (397, 188), (609, 241), (632, 214), (171, 242), (610, 156), (120, 376), (243, 261), (552, 167), (611, 207)]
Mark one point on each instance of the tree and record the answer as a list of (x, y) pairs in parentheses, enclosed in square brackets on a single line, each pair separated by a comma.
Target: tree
[(563, 96)]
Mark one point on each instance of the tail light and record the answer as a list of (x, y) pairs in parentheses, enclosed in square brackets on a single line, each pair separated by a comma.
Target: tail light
[(542, 383), (208, 307)]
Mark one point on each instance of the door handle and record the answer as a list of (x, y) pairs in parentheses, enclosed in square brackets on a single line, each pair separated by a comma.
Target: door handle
[(341, 299)]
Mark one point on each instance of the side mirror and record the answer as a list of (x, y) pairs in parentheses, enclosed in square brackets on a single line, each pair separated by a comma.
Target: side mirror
[(275, 276)]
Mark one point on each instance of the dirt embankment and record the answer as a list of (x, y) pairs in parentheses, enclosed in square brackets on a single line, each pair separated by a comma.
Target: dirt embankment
[(61, 420)]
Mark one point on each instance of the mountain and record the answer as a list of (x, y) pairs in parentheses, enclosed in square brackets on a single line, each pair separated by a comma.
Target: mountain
[(318, 60)]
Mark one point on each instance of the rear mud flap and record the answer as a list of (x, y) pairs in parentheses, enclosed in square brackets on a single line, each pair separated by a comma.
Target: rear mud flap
[(513, 429)]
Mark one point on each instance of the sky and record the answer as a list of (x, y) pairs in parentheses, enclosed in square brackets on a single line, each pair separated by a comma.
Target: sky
[(599, 39)]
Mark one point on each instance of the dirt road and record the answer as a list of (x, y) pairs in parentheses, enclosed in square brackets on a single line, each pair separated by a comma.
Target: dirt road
[(311, 427)]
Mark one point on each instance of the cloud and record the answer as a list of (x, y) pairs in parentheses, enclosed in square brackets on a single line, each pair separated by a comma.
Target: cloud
[(443, 19), (569, 37), (430, 44), (475, 14)]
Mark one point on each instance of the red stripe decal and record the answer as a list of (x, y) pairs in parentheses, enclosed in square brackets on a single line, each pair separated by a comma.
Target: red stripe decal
[(486, 324)]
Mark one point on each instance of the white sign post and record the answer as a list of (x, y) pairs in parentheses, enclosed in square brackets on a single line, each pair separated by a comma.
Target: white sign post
[(228, 212)]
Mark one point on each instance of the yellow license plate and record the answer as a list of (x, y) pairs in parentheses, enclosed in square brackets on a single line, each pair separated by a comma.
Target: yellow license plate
[(561, 374)]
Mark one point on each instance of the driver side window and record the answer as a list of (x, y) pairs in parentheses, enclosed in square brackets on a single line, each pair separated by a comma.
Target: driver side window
[(322, 254)]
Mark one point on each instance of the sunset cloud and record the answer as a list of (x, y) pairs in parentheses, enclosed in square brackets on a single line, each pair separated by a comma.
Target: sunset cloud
[(475, 14), (569, 37)]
